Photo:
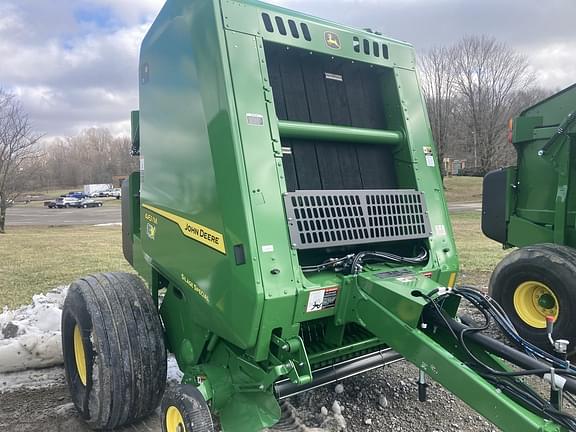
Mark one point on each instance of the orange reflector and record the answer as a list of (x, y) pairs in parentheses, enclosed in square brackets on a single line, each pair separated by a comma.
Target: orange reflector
[(510, 126), (452, 280)]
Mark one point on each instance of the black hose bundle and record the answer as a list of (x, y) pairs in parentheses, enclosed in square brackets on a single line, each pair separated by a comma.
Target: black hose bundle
[(534, 360), (353, 263)]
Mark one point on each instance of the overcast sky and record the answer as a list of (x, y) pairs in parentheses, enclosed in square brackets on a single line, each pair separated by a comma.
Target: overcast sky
[(73, 63)]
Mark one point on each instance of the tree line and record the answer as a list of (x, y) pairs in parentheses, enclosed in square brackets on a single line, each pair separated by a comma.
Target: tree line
[(472, 88), (28, 163), (93, 156)]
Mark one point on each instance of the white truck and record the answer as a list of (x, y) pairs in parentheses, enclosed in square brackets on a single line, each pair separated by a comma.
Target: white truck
[(94, 190)]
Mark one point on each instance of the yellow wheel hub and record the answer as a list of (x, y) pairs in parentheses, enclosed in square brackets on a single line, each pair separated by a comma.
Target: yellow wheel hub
[(174, 420), (533, 302), (80, 355)]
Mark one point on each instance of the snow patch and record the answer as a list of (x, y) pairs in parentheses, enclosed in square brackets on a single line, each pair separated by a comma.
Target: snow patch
[(30, 340), (30, 336), (175, 375)]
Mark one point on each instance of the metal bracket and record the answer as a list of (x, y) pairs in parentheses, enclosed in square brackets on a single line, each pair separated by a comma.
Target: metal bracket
[(292, 354)]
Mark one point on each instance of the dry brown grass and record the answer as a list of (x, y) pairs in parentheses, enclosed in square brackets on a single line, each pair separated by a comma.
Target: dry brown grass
[(36, 259), (463, 189)]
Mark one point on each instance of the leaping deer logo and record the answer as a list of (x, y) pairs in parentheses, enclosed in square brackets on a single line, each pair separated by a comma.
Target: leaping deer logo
[(332, 40)]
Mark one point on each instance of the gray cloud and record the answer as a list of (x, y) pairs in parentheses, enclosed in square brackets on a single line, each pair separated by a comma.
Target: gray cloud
[(530, 26), (73, 73)]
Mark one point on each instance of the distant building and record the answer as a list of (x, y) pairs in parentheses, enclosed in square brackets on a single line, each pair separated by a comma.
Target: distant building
[(454, 166)]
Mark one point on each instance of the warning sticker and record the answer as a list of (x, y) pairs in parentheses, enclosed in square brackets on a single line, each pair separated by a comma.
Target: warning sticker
[(322, 299), (440, 230), (428, 155)]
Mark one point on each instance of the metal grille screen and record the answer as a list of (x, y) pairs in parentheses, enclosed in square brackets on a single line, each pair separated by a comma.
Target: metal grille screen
[(318, 218)]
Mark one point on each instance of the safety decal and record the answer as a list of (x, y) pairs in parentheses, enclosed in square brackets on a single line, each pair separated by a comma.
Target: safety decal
[(322, 299), (193, 230), (440, 230), (429, 156)]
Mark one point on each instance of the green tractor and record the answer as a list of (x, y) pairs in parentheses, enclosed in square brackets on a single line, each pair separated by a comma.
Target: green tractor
[(531, 206), (289, 221)]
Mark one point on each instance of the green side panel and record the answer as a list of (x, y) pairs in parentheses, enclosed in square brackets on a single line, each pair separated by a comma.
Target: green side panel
[(554, 109), (545, 179), (265, 184), (424, 166), (192, 170)]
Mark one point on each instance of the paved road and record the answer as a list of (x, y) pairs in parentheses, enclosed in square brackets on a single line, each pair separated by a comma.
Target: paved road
[(465, 207), (29, 215), (110, 214)]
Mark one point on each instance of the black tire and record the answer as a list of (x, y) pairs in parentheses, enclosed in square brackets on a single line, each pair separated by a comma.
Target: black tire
[(67, 205), (99, 204), (551, 266), (190, 405), (85, 206), (120, 375)]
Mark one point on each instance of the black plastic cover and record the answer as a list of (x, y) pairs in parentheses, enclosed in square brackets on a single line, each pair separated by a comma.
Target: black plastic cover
[(494, 200), (127, 225)]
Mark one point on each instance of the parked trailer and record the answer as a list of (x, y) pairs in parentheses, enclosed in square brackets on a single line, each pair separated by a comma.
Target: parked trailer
[(290, 223), (532, 206)]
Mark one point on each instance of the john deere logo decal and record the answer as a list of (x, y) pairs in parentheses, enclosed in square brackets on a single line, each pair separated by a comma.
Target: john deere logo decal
[(332, 40)]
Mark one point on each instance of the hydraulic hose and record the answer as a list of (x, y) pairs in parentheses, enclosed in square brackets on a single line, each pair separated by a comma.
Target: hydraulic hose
[(504, 351)]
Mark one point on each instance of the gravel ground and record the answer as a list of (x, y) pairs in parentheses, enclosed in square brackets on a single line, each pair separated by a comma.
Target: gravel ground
[(387, 399), (381, 400)]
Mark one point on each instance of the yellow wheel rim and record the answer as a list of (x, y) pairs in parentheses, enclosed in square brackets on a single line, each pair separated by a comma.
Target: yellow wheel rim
[(79, 354), (533, 302), (174, 420)]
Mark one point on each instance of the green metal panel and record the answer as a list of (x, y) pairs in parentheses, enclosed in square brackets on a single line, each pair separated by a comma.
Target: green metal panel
[(545, 172), (245, 16), (186, 111)]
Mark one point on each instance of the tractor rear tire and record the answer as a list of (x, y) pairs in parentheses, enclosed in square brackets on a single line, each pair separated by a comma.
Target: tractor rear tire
[(534, 282), (114, 352), (185, 410)]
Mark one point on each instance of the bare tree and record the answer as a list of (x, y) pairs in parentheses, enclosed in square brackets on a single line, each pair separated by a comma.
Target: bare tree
[(437, 72), (489, 78), (18, 151)]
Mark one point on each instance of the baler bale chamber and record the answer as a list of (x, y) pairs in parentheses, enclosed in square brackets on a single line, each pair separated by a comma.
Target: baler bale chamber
[(289, 220)]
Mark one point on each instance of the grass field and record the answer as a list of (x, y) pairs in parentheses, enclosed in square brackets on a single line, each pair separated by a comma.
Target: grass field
[(37, 259), (463, 189), (478, 254)]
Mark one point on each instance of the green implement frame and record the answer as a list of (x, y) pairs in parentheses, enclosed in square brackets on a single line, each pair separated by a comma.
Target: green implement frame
[(539, 204), (289, 215), (532, 206)]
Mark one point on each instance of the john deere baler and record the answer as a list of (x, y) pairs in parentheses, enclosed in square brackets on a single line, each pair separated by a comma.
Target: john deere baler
[(289, 220)]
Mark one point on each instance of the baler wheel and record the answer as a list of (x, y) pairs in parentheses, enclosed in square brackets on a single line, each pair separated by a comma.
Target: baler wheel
[(113, 346), (185, 410), (534, 282)]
